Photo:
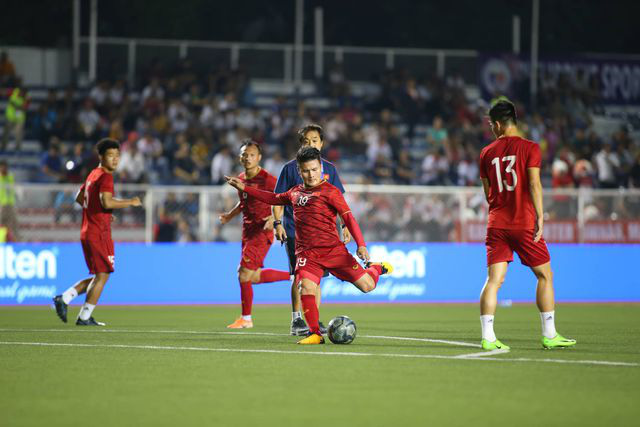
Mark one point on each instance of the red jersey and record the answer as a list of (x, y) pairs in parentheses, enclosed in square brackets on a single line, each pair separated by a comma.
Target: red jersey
[(253, 210), (314, 214), (96, 219), (504, 163)]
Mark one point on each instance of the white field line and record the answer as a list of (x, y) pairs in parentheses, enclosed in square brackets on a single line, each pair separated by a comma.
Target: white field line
[(318, 353), (483, 353), (136, 331)]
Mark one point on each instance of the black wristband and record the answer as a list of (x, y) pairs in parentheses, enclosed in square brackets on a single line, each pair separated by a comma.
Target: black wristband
[(277, 222), (344, 226)]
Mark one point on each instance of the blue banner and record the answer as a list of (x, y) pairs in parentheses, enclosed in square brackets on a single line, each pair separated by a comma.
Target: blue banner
[(205, 273), (615, 81)]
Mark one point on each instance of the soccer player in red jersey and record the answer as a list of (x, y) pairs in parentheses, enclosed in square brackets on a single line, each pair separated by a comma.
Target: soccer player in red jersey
[(510, 173), (318, 247), (257, 230), (97, 201)]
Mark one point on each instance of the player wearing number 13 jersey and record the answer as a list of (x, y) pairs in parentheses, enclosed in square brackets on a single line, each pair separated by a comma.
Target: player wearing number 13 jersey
[(316, 203), (97, 201), (510, 173)]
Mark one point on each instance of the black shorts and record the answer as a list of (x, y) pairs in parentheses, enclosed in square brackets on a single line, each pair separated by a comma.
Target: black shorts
[(291, 253)]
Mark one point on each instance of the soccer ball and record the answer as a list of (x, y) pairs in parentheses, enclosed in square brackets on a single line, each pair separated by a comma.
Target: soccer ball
[(342, 330)]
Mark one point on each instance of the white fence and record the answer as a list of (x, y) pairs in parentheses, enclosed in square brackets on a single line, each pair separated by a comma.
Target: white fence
[(385, 213), (128, 57)]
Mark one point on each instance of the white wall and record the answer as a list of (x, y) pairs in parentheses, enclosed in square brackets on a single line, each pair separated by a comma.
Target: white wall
[(39, 66)]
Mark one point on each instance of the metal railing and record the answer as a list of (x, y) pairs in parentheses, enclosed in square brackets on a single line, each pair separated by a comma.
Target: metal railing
[(128, 56), (385, 213)]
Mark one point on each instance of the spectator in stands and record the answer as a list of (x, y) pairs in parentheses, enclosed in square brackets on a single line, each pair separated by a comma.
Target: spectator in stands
[(467, 169), (100, 96), (221, 165), (117, 93), (184, 169), (153, 91), (634, 173), (76, 164), (89, 121), (8, 216), (606, 164), (274, 163), (404, 171), (165, 228), (382, 169), (437, 135), (184, 234), (132, 165), (15, 115), (51, 167), (7, 70), (563, 205), (435, 168)]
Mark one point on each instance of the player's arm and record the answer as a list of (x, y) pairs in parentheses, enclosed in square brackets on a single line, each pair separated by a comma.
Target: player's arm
[(228, 216), (267, 197), (337, 182), (535, 190), (337, 201), (80, 196), (486, 187), (282, 186), (109, 202)]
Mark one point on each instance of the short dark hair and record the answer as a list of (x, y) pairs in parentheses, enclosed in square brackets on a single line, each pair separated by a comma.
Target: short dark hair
[(308, 128), (503, 111), (251, 143), (307, 154), (106, 144)]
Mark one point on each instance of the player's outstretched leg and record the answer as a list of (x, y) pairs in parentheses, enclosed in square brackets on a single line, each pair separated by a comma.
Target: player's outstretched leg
[(94, 290), (546, 304), (374, 270), (488, 302), (311, 312), (62, 301)]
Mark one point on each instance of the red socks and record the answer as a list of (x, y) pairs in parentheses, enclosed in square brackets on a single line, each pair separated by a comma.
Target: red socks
[(374, 271), (269, 275), (310, 310), (246, 294)]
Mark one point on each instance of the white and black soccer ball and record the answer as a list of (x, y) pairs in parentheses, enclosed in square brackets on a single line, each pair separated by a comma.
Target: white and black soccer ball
[(342, 330)]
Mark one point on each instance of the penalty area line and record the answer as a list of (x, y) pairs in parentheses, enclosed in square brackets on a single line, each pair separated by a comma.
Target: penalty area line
[(318, 353)]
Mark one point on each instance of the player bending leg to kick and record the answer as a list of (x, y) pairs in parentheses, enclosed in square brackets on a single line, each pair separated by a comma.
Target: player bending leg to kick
[(257, 231), (510, 172), (310, 135), (316, 203), (97, 201)]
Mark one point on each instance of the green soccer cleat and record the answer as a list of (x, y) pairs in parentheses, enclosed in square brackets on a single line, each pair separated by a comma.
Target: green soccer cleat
[(557, 342), (495, 345)]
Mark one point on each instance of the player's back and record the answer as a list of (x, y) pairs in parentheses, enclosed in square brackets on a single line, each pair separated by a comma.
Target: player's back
[(96, 219), (504, 164), (253, 210), (314, 213)]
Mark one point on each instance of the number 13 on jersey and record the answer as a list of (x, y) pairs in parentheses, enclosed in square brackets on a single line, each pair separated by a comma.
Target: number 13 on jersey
[(502, 183)]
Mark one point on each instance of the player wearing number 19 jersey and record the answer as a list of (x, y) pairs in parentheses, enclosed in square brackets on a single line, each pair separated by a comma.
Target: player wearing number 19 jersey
[(510, 172), (316, 203), (97, 201)]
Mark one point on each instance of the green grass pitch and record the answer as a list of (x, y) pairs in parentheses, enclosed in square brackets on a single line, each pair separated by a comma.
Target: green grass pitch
[(418, 364)]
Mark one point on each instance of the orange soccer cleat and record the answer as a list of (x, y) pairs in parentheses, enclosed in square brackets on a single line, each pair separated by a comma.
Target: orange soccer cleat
[(312, 339), (240, 323)]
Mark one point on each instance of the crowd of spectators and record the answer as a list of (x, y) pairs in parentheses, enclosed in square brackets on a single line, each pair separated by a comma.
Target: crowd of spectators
[(184, 127)]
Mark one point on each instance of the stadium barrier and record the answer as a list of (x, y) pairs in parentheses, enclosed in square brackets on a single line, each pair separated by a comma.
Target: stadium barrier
[(385, 213), (205, 273)]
